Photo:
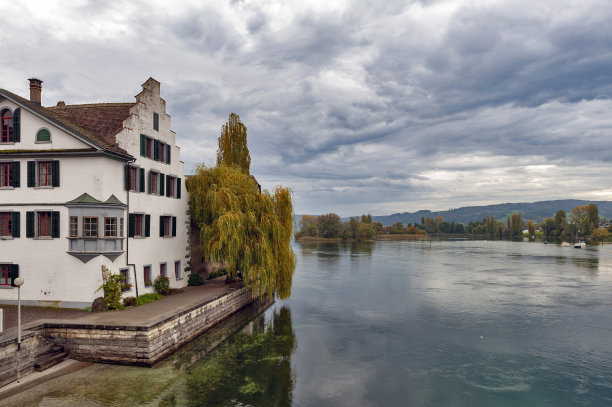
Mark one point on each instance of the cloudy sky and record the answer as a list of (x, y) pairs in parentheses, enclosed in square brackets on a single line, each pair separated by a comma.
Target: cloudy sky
[(357, 106)]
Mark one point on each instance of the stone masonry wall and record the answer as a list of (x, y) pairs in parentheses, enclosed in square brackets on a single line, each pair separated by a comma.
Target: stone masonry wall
[(15, 364), (144, 345)]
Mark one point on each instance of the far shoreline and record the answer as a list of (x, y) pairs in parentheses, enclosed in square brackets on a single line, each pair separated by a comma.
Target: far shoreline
[(318, 239)]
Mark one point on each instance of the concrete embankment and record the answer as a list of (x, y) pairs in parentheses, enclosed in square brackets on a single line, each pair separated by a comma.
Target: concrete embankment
[(138, 336)]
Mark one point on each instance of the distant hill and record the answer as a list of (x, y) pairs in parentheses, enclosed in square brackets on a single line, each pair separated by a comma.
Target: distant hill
[(535, 211)]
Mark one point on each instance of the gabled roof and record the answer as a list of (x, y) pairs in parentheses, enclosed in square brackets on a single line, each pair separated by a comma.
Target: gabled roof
[(113, 200), (104, 119), (98, 135), (85, 199)]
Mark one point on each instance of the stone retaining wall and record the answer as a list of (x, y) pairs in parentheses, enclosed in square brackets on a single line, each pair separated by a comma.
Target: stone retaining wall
[(140, 345), (15, 364), (144, 345)]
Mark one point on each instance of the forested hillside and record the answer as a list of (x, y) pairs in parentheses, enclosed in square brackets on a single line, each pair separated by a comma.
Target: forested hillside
[(535, 211)]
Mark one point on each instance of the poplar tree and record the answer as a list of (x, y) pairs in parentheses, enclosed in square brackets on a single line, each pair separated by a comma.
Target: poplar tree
[(233, 150)]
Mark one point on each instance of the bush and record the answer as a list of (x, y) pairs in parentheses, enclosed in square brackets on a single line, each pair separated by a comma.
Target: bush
[(218, 273), (162, 285), (175, 291), (129, 301), (112, 291), (147, 298), (195, 279)]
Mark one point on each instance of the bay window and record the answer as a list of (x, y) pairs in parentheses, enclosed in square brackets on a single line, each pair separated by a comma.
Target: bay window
[(90, 226), (110, 227)]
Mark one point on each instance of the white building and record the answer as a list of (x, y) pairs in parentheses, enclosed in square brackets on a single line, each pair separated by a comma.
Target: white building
[(84, 187)]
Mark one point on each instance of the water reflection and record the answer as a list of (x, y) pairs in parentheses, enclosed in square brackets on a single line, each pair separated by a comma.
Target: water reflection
[(252, 368)]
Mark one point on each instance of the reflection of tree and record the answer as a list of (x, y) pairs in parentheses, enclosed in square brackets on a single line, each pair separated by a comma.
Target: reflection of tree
[(252, 368), (362, 247)]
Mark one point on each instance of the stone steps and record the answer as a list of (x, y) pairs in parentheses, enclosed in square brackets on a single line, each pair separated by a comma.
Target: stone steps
[(50, 358)]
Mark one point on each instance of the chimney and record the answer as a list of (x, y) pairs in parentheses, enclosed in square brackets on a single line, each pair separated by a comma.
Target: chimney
[(35, 90)]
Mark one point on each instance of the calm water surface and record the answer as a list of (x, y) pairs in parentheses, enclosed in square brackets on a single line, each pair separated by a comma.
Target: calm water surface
[(446, 323)]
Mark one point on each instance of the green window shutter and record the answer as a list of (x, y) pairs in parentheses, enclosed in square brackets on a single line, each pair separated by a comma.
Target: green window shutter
[(150, 181), (15, 225), (162, 182), (55, 173), (31, 173), (14, 273), (17, 125), (55, 224), (29, 224), (167, 154), (147, 225), (178, 188), (156, 147), (168, 179), (16, 174), (127, 177), (161, 226), (43, 135), (142, 180), (131, 224), (174, 226), (143, 145)]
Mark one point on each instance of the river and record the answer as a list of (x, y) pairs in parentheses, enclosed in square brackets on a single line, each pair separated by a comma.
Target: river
[(403, 323)]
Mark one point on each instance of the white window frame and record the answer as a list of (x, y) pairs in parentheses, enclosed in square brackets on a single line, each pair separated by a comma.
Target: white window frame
[(178, 276), (128, 279)]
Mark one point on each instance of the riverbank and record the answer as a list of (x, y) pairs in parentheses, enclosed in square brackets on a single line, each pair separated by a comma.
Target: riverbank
[(136, 336), (317, 239)]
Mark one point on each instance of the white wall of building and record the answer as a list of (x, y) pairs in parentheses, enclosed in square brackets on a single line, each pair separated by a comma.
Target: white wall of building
[(155, 250), (54, 277), (31, 124)]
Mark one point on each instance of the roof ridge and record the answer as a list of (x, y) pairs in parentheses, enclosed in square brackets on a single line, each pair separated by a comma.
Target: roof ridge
[(92, 104)]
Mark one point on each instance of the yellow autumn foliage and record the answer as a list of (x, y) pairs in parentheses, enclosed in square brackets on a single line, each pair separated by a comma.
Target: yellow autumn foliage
[(247, 229)]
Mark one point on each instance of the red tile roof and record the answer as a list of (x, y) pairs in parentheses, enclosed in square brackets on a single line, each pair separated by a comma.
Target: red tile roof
[(98, 123), (103, 119)]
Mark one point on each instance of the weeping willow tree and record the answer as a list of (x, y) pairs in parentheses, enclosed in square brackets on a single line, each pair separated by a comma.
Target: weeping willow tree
[(248, 230)]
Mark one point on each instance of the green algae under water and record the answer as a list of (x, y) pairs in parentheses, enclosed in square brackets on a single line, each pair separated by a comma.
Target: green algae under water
[(441, 323), (245, 369)]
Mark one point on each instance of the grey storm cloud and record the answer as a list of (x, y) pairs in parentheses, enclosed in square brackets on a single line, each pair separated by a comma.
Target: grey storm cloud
[(356, 106)]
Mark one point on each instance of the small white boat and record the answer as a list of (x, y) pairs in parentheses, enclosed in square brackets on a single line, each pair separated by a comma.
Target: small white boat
[(579, 245)]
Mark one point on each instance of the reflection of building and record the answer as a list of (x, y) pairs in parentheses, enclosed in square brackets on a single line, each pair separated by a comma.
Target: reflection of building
[(84, 187)]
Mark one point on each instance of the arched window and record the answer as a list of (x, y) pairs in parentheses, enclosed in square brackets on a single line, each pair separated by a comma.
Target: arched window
[(43, 136), (6, 126)]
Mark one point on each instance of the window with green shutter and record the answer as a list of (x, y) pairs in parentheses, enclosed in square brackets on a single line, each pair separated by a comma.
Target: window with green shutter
[(43, 136), (143, 145), (17, 125)]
